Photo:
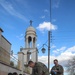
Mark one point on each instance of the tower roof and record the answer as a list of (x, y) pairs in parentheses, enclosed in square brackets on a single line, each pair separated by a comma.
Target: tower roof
[(30, 28)]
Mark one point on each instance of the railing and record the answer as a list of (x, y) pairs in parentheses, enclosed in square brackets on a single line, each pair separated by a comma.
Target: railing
[(9, 59)]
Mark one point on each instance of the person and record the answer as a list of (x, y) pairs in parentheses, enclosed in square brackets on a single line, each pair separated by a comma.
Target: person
[(15, 73), (20, 74), (57, 69), (38, 68), (10, 74)]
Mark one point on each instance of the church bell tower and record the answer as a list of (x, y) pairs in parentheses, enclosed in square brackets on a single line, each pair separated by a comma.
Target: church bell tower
[(29, 52), (30, 44)]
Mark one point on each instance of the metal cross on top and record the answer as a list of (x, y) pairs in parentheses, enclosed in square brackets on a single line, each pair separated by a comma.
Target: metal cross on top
[(31, 22)]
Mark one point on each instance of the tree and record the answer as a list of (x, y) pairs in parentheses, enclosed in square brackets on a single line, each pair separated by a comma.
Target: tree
[(12, 63), (70, 66)]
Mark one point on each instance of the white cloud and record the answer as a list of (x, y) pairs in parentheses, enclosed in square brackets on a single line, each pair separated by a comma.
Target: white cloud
[(43, 16), (43, 59), (38, 45), (53, 46), (9, 26), (62, 48), (20, 37), (46, 10), (62, 57), (46, 26), (56, 3), (53, 20), (10, 9), (72, 49), (55, 52), (59, 50)]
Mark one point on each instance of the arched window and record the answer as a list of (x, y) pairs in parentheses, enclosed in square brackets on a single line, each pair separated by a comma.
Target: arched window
[(30, 41), (34, 41)]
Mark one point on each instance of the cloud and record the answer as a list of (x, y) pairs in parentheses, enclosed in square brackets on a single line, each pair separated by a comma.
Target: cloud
[(59, 50), (56, 3), (9, 26), (62, 48), (46, 11), (53, 20), (38, 45), (10, 9), (43, 16), (53, 46), (20, 37), (46, 26), (72, 49), (43, 59), (62, 57)]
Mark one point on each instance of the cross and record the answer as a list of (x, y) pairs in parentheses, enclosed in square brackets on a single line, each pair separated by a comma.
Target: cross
[(31, 22)]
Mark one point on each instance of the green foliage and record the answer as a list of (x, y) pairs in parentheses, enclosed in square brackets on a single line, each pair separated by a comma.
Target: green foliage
[(12, 63)]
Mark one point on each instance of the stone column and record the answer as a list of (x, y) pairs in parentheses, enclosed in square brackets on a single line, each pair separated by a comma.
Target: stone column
[(27, 45), (21, 61)]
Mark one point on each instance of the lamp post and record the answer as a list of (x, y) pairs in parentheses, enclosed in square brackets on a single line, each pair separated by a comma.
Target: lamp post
[(48, 49), (49, 33), (43, 49)]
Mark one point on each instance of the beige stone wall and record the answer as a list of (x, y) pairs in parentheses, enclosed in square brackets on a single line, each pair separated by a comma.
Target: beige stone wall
[(3, 73), (5, 44), (5, 48), (4, 56), (5, 69)]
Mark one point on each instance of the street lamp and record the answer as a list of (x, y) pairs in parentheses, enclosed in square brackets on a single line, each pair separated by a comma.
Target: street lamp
[(43, 49), (49, 33)]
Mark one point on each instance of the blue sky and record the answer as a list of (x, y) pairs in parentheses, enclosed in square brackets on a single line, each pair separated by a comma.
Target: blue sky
[(16, 14)]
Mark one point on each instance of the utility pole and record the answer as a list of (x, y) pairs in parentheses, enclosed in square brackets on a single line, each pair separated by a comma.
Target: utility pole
[(49, 36), (48, 50)]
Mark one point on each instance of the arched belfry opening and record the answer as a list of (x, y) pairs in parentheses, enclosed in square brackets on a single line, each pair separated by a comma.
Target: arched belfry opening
[(30, 41), (34, 41)]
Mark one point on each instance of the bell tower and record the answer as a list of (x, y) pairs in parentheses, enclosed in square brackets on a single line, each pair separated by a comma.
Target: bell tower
[(30, 44), (30, 37), (29, 52)]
